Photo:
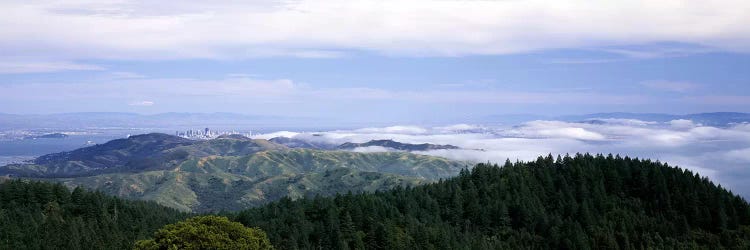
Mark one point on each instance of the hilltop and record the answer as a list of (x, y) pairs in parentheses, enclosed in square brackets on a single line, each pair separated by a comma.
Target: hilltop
[(229, 172), (580, 202), (136, 153), (299, 143)]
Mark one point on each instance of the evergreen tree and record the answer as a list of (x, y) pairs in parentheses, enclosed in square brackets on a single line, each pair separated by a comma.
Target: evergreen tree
[(40, 215), (580, 202)]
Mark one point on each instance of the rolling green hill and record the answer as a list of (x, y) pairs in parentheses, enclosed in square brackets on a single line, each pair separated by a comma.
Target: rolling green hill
[(233, 145), (137, 153), (228, 173), (216, 183), (581, 202)]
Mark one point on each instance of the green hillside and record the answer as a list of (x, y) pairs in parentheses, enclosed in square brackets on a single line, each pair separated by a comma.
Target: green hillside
[(136, 153), (226, 146), (227, 173), (216, 183), (581, 202)]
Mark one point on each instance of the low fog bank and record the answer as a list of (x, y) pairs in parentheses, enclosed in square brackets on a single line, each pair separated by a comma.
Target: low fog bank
[(721, 153)]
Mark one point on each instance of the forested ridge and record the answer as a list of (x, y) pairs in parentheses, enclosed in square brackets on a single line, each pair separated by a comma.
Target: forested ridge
[(41, 215), (580, 202)]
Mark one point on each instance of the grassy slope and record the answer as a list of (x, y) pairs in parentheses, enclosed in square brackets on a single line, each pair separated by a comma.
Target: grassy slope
[(135, 154), (215, 183)]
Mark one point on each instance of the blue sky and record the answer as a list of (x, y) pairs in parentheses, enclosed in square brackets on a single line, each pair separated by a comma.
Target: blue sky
[(382, 61)]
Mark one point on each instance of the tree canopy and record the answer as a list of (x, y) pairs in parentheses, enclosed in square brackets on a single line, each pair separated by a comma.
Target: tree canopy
[(42, 215), (206, 232), (580, 202)]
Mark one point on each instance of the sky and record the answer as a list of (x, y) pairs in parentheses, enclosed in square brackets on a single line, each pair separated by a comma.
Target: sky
[(384, 61)]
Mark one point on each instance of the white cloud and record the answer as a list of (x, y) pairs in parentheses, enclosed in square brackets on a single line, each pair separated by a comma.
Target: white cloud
[(141, 103), (618, 121), (671, 86), (393, 130), (157, 88), (317, 28), (682, 123), (373, 149), (126, 75), (745, 126), (21, 67), (556, 129), (742, 155), (658, 52), (719, 153), (245, 94), (267, 136), (459, 128), (720, 99)]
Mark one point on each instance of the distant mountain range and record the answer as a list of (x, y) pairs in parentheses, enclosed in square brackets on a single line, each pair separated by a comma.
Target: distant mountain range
[(711, 119), (227, 173), (48, 136), (299, 143), (232, 120), (389, 144), (396, 145)]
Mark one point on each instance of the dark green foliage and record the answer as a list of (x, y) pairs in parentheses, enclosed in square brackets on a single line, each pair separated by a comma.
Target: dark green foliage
[(206, 232), (581, 202), (40, 215)]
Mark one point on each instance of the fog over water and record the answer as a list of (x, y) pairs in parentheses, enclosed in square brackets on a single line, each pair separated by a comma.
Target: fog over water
[(720, 153)]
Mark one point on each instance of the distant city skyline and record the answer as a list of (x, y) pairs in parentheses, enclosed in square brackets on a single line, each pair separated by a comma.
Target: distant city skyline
[(207, 133)]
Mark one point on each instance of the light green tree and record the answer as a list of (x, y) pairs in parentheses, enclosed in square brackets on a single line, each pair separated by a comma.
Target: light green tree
[(206, 232)]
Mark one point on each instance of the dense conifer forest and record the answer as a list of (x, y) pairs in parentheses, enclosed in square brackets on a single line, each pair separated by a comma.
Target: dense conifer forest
[(580, 202), (40, 215)]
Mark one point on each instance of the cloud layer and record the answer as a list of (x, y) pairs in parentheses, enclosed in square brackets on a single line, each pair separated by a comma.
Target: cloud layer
[(131, 29), (719, 153), (243, 94)]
